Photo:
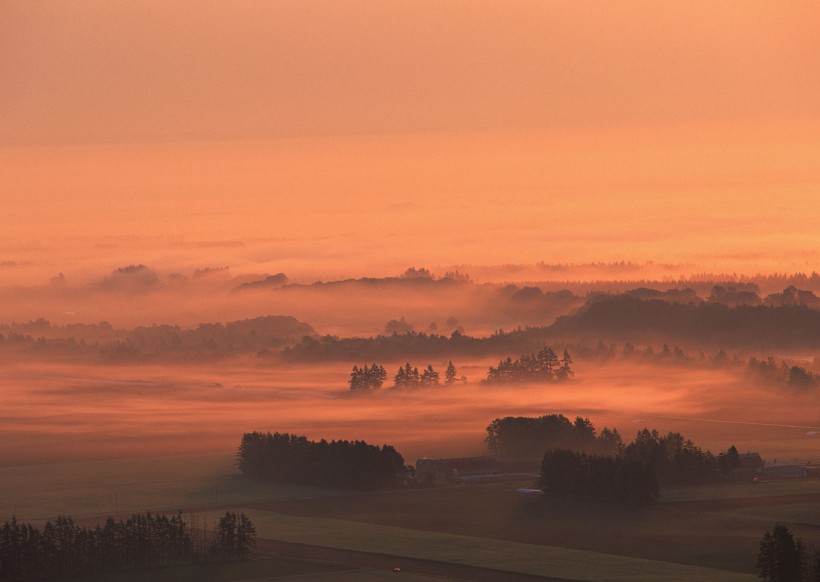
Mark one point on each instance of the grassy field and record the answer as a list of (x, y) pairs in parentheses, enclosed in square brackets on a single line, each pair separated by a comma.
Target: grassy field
[(226, 572), (741, 490), (100, 488), (716, 527), (712, 534), (494, 554)]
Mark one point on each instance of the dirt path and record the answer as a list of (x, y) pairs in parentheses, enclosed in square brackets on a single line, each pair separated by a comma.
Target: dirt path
[(410, 565)]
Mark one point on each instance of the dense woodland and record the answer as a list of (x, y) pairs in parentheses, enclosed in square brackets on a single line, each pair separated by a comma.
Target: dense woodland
[(286, 458), (62, 548)]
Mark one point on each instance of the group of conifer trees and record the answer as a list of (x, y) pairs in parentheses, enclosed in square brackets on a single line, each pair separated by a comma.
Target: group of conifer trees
[(567, 473), (367, 377), (542, 367), (63, 548), (286, 458), (782, 558), (408, 376)]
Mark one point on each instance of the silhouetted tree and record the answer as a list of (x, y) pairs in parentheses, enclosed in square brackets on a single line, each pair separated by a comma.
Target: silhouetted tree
[(368, 377), (450, 374), (429, 377), (542, 367), (235, 536), (286, 458), (781, 557)]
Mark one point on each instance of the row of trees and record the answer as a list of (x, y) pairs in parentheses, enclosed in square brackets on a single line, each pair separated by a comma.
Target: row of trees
[(566, 473), (63, 548), (676, 460), (542, 367), (373, 377), (286, 458)]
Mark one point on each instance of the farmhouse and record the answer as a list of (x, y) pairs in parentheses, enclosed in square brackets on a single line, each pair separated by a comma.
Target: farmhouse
[(750, 463), (455, 469)]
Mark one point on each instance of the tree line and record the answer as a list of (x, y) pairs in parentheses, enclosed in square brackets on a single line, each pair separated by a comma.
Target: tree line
[(543, 367), (287, 458), (63, 548), (666, 460), (622, 316), (372, 377), (772, 372)]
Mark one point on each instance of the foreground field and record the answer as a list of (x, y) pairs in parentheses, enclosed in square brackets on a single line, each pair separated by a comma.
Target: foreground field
[(691, 534), (712, 534), (489, 554)]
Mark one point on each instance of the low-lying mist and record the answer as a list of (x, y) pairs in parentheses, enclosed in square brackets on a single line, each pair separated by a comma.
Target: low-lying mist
[(57, 412)]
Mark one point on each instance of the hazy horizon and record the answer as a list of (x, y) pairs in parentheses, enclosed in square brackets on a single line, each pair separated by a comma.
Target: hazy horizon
[(329, 139)]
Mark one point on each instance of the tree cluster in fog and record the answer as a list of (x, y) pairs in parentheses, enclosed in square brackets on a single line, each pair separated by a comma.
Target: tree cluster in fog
[(780, 373), (542, 367), (518, 437), (669, 459), (369, 378), (286, 458)]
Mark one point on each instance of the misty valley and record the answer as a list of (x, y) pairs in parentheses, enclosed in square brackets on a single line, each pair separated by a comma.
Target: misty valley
[(693, 403)]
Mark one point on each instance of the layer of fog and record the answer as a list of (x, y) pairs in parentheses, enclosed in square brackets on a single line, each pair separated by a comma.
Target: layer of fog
[(53, 412)]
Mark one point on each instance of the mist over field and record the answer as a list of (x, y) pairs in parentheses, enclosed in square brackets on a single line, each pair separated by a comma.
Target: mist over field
[(56, 412), (396, 222)]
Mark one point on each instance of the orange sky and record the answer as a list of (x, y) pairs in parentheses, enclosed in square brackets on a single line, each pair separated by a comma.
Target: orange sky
[(359, 137)]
